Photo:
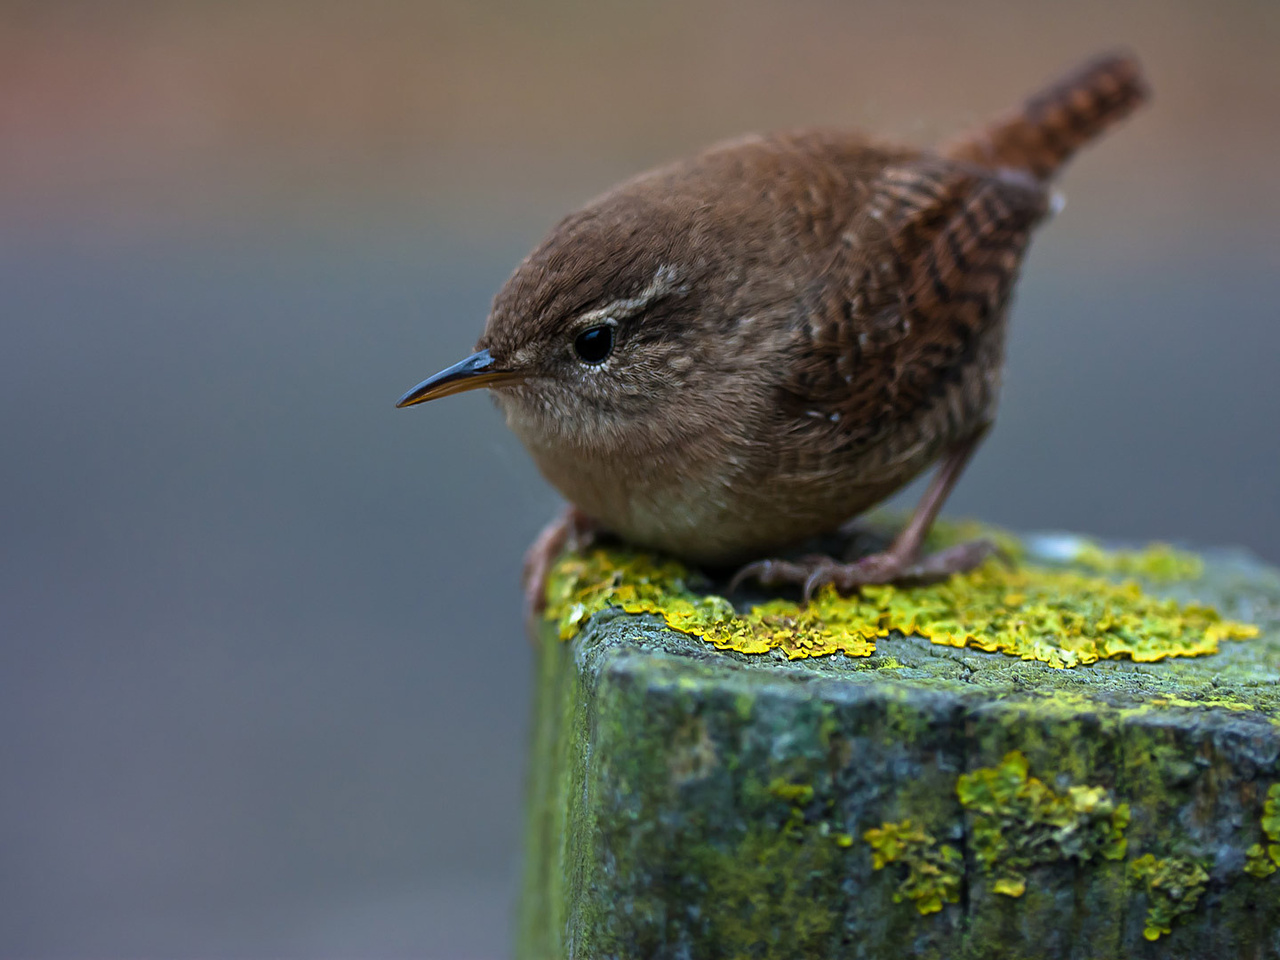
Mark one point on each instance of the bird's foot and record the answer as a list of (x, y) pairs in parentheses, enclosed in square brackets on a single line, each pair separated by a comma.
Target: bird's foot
[(816, 571), (572, 529)]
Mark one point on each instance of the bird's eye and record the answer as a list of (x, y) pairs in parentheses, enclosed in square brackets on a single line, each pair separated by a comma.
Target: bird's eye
[(594, 344)]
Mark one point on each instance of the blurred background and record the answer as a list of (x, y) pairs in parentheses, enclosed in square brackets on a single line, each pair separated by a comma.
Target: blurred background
[(263, 684)]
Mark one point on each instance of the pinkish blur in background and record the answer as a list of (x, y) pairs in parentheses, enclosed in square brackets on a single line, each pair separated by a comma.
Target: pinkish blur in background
[(263, 688)]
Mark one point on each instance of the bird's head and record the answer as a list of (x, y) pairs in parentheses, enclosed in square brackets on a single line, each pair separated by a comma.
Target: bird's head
[(599, 341)]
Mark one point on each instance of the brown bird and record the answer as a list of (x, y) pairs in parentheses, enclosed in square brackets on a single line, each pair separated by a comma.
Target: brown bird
[(732, 353)]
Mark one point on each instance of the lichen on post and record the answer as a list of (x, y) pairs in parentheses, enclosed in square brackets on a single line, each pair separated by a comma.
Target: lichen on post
[(1074, 752)]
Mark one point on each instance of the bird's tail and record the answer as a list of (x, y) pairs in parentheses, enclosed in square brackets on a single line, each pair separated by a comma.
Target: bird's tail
[(1042, 134)]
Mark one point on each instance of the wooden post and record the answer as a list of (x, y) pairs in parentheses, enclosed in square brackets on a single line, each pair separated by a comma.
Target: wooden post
[(924, 801)]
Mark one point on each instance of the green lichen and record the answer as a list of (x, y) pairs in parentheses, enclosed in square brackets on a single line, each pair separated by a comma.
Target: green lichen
[(1020, 822), (934, 870), (1271, 815), (947, 532), (1158, 562), (1059, 616), (1224, 703), (1173, 887), (795, 793), (800, 797), (1258, 862), (1262, 860)]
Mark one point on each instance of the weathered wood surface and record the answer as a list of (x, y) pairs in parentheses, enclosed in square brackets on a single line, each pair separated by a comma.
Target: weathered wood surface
[(692, 803)]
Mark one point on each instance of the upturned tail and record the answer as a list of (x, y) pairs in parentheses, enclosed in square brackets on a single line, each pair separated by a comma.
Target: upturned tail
[(1049, 128)]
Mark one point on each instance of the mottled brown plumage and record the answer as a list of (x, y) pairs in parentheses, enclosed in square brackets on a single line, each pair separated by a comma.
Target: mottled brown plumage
[(798, 325)]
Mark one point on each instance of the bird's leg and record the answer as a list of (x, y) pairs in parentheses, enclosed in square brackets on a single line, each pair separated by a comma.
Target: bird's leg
[(902, 562), (572, 529)]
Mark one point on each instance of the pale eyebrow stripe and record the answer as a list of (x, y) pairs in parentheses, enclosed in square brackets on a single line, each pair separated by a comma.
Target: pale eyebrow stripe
[(663, 283)]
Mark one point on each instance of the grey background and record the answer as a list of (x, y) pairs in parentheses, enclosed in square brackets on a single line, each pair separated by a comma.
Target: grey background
[(263, 687)]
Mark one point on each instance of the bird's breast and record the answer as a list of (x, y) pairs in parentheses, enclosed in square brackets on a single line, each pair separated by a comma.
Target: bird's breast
[(722, 512), (671, 500)]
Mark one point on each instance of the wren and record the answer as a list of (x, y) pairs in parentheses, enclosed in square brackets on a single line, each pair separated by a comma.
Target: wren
[(727, 355)]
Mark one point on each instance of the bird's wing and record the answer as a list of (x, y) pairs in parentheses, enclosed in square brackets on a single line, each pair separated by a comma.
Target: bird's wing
[(927, 266)]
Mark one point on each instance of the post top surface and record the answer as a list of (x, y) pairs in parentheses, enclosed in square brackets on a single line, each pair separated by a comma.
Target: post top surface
[(1225, 602)]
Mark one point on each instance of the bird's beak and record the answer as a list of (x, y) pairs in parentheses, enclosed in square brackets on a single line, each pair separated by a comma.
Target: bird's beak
[(478, 370)]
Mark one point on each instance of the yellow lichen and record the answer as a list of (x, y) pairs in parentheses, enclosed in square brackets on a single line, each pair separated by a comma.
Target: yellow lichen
[(1019, 822), (1173, 887), (1062, 617), (933, 870), (1263, 860)]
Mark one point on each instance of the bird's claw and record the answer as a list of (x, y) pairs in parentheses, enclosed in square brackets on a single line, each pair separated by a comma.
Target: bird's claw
[(815, 572), (572, 530), (774, 573)]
